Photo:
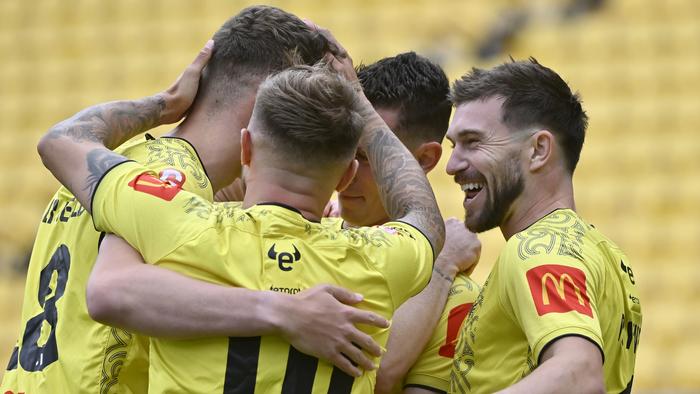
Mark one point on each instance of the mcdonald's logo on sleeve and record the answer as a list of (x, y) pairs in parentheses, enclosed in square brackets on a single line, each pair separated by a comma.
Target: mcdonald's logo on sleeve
[(559, 289), (166, 187)]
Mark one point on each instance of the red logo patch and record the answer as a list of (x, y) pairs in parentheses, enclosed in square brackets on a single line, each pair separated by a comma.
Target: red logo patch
[(454, 322), (165, 188), (559, 289)]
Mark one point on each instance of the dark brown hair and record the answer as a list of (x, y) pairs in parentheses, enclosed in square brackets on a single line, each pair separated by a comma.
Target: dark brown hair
[(533, 96), (415, 86), (256, 42)]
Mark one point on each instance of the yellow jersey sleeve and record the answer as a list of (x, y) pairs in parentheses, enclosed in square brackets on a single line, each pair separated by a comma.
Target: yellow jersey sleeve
[(551, 296), (150, 211), (407, 261)]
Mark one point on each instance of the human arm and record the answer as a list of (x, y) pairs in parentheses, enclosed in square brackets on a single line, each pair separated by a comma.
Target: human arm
[(402, 184), (414, 322), (125, 292), (77, 150), (568, 362)]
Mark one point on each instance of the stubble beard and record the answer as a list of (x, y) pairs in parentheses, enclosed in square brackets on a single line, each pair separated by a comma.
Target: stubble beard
[(500, 200)]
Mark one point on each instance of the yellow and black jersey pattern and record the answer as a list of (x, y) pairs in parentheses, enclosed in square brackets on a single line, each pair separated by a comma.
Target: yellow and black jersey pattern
[(60, 349), (557, 278), (432, 369), (267, 247)]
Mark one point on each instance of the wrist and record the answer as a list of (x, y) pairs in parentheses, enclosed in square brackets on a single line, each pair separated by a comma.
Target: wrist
[(165, 104), (444, 274), (271, 308)]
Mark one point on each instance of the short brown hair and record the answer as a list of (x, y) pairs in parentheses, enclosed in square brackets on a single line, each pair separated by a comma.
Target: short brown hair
[(533, 96), (309, 112), (256, 42)]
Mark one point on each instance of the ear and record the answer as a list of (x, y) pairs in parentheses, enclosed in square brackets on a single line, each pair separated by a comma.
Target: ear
[(246, 147), (428, 155), (541, 149), (348, 176)]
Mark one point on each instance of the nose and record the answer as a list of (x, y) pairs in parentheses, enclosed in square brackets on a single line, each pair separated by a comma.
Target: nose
[(456, 163)]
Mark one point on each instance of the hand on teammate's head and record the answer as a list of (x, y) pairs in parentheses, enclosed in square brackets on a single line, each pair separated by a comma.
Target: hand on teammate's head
[(338, 57), (181, 94)]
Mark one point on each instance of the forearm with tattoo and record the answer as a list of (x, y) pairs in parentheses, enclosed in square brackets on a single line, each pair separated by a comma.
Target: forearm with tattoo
[(402, 184), (76, 150), (111, 124)]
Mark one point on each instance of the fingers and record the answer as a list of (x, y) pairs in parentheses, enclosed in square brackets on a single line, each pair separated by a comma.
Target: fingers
[(342, 294), (203, 57), (370, 318), (335, 47), (366, 343), (342, 362), (357, 357)]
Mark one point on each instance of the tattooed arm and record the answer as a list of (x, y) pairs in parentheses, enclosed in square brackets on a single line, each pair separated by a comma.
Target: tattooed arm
[(403, 186), (77, 150)]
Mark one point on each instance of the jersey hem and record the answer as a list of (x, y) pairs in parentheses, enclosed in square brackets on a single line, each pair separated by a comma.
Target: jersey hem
[(432, 249), (559, 333), (427, 382), (420, 386), (97, 187), (544, 348)]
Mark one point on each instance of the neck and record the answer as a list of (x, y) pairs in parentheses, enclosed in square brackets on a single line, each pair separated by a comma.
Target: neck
[(216, 137), (307, 194), (536, 202)]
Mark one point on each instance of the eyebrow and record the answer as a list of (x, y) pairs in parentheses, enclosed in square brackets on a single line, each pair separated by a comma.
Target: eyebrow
[(465, 132)]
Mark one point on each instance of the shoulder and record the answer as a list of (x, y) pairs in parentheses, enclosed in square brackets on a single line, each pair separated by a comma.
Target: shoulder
[(561, 233)]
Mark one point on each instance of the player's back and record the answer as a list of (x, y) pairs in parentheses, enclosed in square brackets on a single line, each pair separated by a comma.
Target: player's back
[(272, 247), (60, 349)]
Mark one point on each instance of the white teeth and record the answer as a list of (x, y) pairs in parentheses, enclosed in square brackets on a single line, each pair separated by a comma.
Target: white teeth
[(472, 186)]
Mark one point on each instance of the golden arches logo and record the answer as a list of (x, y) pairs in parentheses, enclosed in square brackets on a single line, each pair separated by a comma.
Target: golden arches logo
[(566, 282), (559, 287)]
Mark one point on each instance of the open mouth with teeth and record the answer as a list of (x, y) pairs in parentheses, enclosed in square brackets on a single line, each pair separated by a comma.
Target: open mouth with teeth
[(472, 189)]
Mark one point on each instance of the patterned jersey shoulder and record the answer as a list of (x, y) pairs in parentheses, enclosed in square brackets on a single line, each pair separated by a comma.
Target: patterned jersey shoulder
[(560, 233), (174, 160)]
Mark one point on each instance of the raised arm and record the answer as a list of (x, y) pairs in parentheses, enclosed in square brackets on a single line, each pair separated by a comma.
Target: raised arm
[(402, 184), (77, 150), (125, 292), (415, 321)]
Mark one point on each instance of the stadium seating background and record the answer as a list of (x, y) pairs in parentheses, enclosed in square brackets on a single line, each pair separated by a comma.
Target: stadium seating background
[(635, 62)]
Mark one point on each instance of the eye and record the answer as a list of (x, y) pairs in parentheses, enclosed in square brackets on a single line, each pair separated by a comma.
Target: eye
[(471, 141)]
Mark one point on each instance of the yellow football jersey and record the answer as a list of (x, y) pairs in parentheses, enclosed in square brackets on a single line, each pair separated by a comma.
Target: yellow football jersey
[(266, 247), (559, 277), (432, 369), (60, 348)]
